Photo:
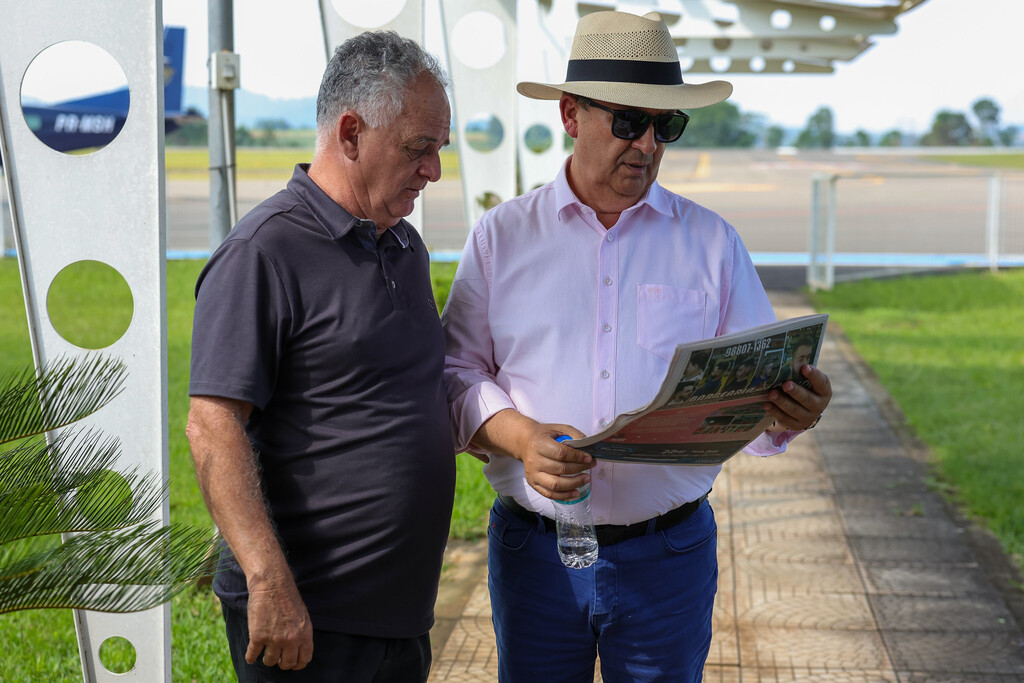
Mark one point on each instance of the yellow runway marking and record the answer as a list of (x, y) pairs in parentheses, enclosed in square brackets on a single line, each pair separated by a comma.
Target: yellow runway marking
[(696, 188), (703, 166), (702, 171)]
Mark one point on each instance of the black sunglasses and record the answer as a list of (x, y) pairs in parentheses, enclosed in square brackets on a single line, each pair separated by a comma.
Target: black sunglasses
[(629, 124)]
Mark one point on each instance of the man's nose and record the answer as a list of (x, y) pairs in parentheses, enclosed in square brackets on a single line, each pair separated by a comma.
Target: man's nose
[(431, 167), (646, 142)]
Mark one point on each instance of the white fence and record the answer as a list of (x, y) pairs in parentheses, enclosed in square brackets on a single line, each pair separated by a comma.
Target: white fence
[(913, 221)]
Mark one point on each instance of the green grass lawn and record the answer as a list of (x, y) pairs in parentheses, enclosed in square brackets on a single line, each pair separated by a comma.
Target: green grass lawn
[(277, 163), (40, 645), (263, 163), (1013, 162), (950, 350)]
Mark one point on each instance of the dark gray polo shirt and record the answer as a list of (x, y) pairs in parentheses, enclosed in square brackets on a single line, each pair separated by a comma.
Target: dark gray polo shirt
[(334, 337)]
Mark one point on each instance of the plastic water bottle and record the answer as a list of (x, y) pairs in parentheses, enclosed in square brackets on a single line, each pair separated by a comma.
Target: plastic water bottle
[(577, 540)]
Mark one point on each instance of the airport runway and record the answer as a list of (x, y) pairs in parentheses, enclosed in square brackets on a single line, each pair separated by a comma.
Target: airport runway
[(885, 203)]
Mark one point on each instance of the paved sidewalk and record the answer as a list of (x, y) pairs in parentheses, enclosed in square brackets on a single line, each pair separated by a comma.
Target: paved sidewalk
[(837, 562)]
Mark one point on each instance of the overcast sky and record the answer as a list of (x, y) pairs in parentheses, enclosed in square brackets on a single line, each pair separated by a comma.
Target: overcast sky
[(946, 55)]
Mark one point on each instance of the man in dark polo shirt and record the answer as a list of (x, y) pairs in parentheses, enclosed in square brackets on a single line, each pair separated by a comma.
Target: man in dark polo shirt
[(319, 423)]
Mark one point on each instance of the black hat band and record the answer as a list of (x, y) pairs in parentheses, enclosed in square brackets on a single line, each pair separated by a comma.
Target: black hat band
[(624, 71)]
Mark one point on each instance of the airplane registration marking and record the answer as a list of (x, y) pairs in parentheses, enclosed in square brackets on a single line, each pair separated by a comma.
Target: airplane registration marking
[(86, 123)]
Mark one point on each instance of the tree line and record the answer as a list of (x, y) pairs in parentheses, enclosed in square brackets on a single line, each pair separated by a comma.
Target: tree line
[(721, 125), (949, 129), (724, 125), (192, 131)]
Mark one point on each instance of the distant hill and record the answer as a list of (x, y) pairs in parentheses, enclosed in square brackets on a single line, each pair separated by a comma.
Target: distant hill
[(251, 108)]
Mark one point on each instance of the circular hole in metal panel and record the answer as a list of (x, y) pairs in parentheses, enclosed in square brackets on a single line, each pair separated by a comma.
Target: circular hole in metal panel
[(781, 19), (75, 97), (117, 655), (368, 14), (538, 138), (484, 132), (720, 64), (90, 304), (488, 200), (478, 40), (725, 14), (827, 23)]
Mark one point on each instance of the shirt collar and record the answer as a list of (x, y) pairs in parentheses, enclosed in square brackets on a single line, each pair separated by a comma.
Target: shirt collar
[(656, 196), (337, 221)]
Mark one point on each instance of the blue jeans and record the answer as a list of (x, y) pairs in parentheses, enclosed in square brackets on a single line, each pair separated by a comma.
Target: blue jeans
[(645, 605), (337, 657)]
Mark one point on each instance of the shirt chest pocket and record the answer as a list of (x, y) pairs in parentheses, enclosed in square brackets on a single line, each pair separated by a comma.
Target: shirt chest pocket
[(667, 316)]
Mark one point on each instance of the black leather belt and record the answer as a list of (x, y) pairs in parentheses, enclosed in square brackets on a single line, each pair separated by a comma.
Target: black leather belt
[(609, 534)]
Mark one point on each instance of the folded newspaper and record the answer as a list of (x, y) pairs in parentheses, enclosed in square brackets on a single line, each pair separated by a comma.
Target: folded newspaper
[(710, 404)]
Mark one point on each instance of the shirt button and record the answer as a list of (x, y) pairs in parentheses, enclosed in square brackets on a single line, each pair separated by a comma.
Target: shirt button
[(609, 237), (600, 474), (607, 282), (392, 284), (603, 423), (607, 327), (604, 374)]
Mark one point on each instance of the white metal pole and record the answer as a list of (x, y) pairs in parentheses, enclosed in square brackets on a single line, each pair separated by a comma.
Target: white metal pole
[(992, 222), (814, 280)]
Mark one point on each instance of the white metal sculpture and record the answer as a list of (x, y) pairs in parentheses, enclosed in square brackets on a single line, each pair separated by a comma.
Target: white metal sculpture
[(752, 36), (764, 36), (107, 207), (483, 60), (545, 42), (509, 144), (481, 38)]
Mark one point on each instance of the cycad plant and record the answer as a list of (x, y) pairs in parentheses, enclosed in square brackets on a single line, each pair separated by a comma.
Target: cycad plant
[(113, 557)]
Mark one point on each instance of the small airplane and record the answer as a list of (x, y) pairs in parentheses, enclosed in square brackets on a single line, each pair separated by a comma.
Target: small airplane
[(94, 121)]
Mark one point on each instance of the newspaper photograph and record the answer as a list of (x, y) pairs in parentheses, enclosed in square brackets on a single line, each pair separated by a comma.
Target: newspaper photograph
[(710, 404)]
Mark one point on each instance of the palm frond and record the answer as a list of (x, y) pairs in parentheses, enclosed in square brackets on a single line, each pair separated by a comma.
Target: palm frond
[(114, 557), (108, 571), (70, 485), (64, 391)]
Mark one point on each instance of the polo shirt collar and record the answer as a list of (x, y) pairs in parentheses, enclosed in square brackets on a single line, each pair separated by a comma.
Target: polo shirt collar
[(656, 196), (336, 220)]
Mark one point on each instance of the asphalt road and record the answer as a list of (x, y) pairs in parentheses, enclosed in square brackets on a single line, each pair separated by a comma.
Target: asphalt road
[(885, 203)]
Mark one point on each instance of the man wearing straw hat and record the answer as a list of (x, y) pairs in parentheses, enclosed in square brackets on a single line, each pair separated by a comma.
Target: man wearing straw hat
[(564, 312)]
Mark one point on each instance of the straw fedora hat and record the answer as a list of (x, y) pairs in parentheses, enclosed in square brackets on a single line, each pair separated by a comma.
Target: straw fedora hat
[(626, 59)]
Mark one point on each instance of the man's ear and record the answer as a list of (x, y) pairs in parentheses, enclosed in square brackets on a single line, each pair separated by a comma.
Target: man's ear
[(569, 108), (348, 129)]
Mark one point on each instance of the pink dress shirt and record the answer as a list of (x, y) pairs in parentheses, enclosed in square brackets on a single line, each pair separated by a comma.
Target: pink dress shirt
[(554, 316)]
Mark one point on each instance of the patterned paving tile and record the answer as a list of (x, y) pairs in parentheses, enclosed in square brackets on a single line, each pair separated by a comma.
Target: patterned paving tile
[(835, 565)]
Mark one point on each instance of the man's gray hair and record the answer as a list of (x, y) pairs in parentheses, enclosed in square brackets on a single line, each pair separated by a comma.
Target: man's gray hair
[(370, 74)]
